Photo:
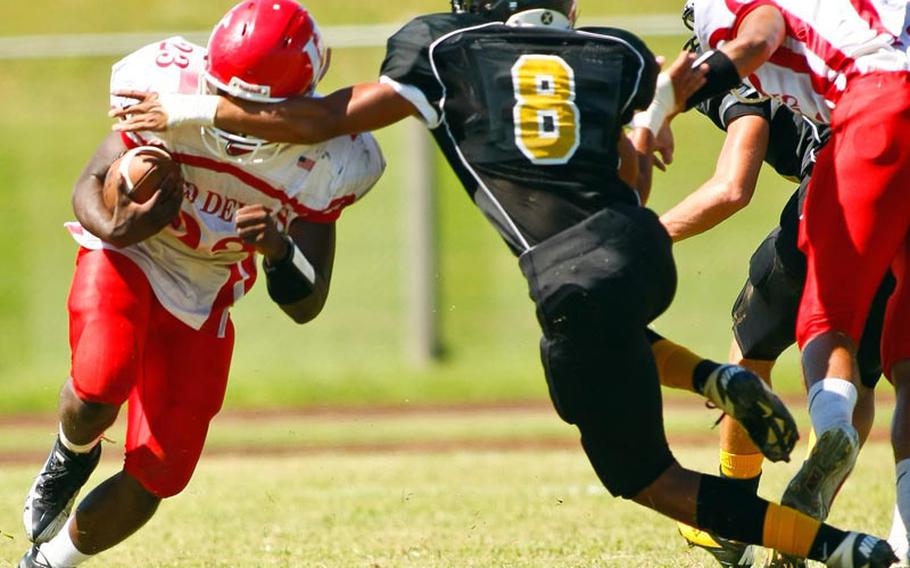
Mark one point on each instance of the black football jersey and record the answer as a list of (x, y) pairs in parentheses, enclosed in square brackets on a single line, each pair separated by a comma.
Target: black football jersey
[(793, 139), (529, 117)]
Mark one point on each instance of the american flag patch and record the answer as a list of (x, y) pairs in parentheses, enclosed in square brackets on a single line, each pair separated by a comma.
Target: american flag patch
[(305, 163)]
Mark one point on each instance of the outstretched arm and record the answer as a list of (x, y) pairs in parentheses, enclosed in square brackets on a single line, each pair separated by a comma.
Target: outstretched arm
[(301, 120), (732, 186)]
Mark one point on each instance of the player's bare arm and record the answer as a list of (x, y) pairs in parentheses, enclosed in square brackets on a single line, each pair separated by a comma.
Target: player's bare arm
[(758, 37), (129, 222), (302, 120), (732, 185), (298, 265)]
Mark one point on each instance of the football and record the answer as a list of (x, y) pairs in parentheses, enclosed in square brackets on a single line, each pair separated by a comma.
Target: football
[(138, 174)]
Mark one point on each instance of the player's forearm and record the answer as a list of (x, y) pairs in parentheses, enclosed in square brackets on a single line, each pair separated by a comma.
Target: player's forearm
[(309, 120), (307, 309), (296, 121), (89, 209), (758, 37), (298, 276), (707, 207)]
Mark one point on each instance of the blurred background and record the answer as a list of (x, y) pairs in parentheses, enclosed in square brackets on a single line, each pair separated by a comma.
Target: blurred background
[(357, 352)]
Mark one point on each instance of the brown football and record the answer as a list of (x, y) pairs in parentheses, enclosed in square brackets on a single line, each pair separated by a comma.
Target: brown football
[(139, 173)]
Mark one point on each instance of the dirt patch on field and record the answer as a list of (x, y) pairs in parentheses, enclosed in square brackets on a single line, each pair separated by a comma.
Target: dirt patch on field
[(8, 425), (671, 403)]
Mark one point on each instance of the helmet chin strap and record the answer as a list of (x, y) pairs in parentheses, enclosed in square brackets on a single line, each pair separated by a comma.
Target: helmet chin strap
[(540, 17)]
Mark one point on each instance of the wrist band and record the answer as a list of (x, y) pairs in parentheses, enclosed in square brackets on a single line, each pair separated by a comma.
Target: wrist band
[(721, 77), (663, 104), (189, 110), (292, 278)]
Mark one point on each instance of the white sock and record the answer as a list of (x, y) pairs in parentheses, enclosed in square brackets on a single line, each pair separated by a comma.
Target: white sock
[(77, 448), (898, 536), (60, 551), (831, 403)]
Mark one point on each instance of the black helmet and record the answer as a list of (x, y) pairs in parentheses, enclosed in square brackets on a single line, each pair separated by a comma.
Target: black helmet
[(688, 15), (688, 18), (502, 10)]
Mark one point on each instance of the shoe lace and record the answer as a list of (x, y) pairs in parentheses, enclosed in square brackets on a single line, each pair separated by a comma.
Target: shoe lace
[(59, 476), (53, 478), (711, 406)]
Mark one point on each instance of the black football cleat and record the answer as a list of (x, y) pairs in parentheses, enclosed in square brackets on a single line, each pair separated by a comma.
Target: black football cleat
[(34, 559), (860, 550), (746, 398), (54, 491)]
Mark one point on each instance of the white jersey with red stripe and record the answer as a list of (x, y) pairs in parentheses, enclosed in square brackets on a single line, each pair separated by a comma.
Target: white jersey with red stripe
[(827, 43), (198, 267)]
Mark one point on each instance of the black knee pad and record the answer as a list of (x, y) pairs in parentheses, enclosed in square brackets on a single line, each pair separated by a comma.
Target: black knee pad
[(560, 368), (764, 315), (626, 459)]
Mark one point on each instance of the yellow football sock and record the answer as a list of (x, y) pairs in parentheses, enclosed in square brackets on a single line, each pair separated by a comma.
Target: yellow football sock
[(675, 364), (789, 531), (740, 466)]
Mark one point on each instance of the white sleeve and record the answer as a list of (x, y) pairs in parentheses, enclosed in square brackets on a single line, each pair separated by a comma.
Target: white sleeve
[(172, 65), (712, 18), (415, 96), (363, 168)]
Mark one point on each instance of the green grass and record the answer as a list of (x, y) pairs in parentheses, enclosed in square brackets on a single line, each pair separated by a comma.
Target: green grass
[(429, 510), (54, 114)]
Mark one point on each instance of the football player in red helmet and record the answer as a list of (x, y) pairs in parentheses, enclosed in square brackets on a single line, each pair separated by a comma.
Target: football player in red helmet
[(285, 57), (150, 299)]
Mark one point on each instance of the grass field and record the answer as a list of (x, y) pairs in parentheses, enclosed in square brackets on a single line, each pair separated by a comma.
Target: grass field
[(427, 489), (54, 112)]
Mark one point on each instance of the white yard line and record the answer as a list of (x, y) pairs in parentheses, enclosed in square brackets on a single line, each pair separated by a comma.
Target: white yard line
[(112, 44)]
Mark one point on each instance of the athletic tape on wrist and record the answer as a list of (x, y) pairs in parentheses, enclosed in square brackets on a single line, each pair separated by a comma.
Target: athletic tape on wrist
[(664, 101), (291, 279), (189, 110)]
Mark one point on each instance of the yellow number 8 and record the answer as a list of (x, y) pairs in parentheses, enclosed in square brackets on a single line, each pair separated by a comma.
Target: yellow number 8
[(545, 114)]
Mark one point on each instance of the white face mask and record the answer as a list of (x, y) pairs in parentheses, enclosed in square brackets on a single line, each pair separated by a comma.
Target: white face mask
[(233, 147)]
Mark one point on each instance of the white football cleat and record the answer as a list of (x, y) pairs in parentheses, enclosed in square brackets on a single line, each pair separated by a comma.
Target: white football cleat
[(812, 489), (860, 550)]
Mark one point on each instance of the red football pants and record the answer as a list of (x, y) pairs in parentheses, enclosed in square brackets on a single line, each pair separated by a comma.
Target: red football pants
[(126, 347), (857, 216)]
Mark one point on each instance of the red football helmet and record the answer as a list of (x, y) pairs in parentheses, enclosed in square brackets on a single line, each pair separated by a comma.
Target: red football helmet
[(266, 51), (263, 51)]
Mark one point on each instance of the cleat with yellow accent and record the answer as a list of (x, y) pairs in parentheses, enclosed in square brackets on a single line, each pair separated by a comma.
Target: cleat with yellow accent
[(728, 553), (746, 398)]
